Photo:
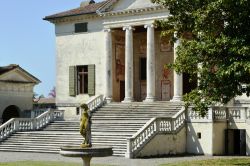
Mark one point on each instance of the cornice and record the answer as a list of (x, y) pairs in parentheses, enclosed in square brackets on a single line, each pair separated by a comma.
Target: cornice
[(76, 18), (103, 14), (133, 11)]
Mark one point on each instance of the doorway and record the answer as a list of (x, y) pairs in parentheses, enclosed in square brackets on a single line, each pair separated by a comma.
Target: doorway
[(10, 112), (122, 90), (235, 142), (188, 85), (143, 78)]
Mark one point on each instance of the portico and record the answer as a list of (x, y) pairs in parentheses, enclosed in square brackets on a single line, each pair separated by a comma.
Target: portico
[(153, 65)]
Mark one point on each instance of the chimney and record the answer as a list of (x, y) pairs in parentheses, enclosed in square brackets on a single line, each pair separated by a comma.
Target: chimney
[(86, 3)]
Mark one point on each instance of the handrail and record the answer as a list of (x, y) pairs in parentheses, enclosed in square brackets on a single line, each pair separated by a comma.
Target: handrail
[(158, 125), (217, 113), (29, 124), (95, 103), (7, 129)]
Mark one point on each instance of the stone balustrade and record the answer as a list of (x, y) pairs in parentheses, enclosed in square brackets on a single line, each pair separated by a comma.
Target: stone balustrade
[(95, 103), (235, 114), (158, 125), (29, 124)]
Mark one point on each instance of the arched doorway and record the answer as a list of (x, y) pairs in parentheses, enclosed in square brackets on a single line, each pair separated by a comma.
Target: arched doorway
[(10, 112)]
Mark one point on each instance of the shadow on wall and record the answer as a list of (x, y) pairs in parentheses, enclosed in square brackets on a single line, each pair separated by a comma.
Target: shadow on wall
[(193, 138), (10, 112), (247, 145)]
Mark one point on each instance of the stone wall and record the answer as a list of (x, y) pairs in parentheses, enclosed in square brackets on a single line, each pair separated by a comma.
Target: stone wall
[(17, 94), (169, 144), (75, 49), (203, 145)]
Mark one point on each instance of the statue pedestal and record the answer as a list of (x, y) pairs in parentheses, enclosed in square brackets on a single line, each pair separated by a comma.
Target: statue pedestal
[(86, 153)]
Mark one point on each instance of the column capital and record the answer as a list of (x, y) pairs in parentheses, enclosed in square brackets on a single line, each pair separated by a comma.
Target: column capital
[(129, 27), (149, 26)]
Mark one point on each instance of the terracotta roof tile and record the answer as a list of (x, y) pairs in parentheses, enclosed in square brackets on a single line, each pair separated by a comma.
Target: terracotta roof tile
[(89, 9)]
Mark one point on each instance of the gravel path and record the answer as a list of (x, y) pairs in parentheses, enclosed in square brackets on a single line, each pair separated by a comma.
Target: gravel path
[(118, 161)]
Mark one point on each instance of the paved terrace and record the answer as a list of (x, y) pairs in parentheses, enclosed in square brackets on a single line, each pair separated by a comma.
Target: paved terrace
[(118, 161)]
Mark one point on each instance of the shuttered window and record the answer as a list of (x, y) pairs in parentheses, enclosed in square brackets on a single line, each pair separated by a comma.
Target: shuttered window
[(91, 79), (82, 80), (72, 81)]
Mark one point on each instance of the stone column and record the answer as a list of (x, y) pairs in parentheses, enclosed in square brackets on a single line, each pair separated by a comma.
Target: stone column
[(178, 79), (150, 63), (129, 77), (108, 65)]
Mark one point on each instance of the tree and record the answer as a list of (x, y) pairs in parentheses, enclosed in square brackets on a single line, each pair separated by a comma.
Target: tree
[(52, 92), (214, 35)]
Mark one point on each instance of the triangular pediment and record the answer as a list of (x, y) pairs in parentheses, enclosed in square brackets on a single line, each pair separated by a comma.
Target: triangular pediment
[(18, 75), (132, 4)]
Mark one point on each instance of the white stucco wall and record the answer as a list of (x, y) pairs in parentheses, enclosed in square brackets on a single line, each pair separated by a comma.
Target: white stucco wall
[(70, 113), (17, 94), (169, 144), (75, 49), (219, 137), (203, 145)]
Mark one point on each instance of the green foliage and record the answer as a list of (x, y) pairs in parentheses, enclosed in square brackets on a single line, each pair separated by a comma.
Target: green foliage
[(214, 34)]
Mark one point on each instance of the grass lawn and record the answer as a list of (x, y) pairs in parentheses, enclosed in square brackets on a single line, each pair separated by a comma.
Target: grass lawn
[(42, 163), (215, 162)]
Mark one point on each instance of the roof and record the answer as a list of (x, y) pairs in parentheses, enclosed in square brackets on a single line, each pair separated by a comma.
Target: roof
[(88, 9), (6, 69), (45, 100)]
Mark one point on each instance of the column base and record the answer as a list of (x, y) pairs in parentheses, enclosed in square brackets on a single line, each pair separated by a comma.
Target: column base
[(176, 99), (128, 100), (150, 99)]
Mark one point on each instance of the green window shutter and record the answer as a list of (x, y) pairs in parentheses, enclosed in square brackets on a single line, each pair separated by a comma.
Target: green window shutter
[(72, 81), (91, 80)]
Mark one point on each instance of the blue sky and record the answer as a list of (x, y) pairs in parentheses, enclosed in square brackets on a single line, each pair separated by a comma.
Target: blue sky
[(26, 39)]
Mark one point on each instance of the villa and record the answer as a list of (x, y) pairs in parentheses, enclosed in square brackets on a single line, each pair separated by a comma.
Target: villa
[(111, 56)]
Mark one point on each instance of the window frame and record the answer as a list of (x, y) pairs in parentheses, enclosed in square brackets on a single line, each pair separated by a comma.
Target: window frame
[(82, 79), (81, 27)]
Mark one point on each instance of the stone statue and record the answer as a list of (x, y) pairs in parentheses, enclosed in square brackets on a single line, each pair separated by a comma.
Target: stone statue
[(85, 126)]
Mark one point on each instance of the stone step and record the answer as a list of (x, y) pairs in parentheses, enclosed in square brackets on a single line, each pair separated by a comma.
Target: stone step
[(112, 125), (150, 115)]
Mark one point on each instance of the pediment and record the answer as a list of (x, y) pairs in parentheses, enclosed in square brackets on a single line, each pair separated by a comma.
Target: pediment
[(18, 75), (132, 4)]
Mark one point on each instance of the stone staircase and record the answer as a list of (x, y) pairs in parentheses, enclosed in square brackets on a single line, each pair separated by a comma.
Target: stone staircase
[(48, 140), (112, 125)]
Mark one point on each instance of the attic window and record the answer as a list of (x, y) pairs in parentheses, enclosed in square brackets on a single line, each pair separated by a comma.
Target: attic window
[(81, 27)]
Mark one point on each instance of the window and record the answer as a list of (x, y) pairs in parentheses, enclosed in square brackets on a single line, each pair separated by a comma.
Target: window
[(82, 79), (77, 111), (81, 27), (199, 135)]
